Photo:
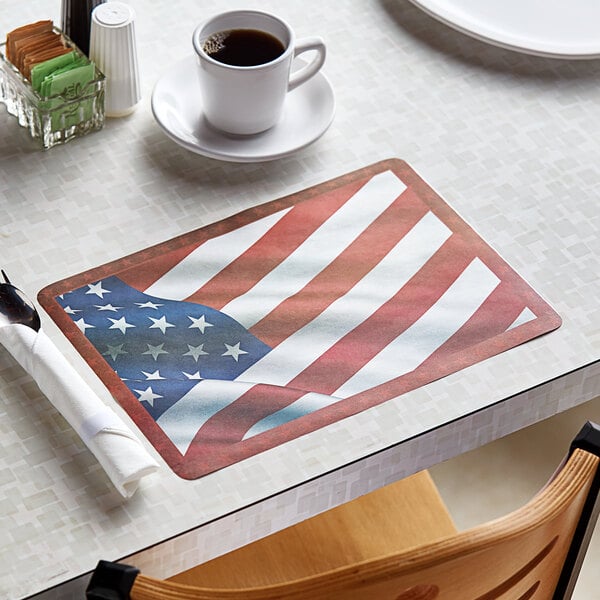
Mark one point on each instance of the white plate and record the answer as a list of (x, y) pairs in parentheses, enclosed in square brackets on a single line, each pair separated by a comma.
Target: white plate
[(553, 28), (176, 105)]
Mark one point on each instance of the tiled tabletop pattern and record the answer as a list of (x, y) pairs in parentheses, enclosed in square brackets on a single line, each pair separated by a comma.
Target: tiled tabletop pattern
[(510, 141)]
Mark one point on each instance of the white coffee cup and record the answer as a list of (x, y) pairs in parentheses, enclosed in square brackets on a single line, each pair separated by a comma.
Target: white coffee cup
[(247, 100)]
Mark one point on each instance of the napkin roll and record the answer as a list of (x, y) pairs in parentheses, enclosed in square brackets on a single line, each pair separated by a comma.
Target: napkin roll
[(117, 449)]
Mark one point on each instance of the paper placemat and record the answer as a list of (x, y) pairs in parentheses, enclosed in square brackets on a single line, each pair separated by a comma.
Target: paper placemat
[(289, 316)]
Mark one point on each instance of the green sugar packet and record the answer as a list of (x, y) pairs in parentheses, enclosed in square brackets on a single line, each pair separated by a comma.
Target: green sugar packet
[(68, 80), (40, 71), (62, 88)]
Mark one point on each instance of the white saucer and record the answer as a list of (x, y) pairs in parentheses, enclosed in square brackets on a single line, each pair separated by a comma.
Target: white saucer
[(177, 108)]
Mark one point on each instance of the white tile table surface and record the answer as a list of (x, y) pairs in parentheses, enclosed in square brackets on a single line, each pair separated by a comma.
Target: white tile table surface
[(512, 142)]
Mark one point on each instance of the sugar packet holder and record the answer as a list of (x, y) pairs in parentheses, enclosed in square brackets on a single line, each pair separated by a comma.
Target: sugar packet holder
[(58, 118)]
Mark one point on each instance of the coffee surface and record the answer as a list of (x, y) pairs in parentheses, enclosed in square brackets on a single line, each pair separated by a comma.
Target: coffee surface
[(243, 47)]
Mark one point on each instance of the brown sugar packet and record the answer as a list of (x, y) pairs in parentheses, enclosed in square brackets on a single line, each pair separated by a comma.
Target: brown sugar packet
[(40, 57), (23, 32), (33, 44)]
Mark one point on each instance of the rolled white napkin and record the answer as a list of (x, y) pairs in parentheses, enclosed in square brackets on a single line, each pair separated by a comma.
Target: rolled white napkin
[(117, 449)]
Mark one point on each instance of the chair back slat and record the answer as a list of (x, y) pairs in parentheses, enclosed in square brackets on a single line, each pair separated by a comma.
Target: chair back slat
[(516, 557)]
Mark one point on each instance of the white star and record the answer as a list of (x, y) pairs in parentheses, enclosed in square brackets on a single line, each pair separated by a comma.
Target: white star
[(155, 351), (155, 375), (108, 307), (114, 351), (195, 352), (200, 323), (161, 324), (148, 305), (96, 288), (121, 324), (83, 325), (195, 375), (148, 395), (70, 311), (234, 351)]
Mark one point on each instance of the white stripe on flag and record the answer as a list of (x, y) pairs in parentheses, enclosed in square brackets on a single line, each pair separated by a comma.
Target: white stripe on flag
[(182, 421), (460, 301), (196, 269), (303, 406), (299, 350), (317, 251), (525, 316)]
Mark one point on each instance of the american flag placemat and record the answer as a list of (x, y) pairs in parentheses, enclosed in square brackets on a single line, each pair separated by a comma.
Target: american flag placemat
[(287, 317)]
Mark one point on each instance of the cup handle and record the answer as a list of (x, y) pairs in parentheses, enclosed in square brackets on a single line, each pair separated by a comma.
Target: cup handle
[(306, 72)]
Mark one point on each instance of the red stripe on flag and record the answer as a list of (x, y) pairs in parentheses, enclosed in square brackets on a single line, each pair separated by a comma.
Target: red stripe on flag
[(274, 247), (343, 272), (143, 274), (231, 423), (359, 346), (493, 318), (482, 335)]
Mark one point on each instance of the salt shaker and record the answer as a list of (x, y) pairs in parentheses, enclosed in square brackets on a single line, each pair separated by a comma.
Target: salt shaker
[(113, 49)]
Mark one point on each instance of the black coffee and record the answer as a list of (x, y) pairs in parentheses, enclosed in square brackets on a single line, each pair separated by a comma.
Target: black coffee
[(243, 47)]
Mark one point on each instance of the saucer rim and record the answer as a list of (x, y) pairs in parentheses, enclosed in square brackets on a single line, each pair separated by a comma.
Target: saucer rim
[(241, 157)]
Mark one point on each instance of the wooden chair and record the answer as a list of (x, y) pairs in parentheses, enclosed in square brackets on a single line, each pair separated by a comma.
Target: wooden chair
[(399, 543)]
